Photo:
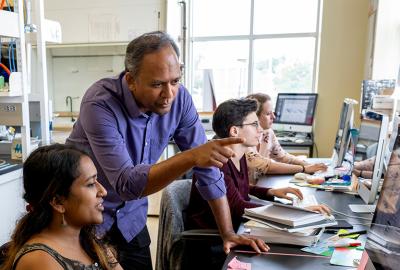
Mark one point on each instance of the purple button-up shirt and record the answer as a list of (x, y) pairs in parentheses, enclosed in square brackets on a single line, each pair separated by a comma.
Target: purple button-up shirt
[(124, 142)]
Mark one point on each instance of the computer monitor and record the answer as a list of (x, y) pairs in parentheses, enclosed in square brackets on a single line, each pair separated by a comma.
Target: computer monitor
[(295, 112), (372, 142), (342, 135), (390, 145), (371, 88), (383, 240)]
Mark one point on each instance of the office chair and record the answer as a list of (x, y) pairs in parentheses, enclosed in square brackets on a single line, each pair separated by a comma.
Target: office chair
[(174, 243)]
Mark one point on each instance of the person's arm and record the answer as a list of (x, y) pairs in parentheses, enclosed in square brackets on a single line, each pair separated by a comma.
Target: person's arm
[(134, 181), (211, 154), (222, 215)]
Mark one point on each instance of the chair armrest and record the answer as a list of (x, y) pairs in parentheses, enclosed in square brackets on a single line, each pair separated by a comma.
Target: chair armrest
[(201, 234)]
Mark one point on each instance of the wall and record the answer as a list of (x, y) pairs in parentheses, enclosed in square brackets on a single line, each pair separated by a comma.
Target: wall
[(94, 34), (105, 21), (386, 55), (342, 59)]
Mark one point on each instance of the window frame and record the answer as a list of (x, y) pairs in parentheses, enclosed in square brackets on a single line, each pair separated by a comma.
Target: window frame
[(251, 37)]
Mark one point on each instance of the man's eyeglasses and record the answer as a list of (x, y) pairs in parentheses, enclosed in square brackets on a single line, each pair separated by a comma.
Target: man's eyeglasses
[(254, 124)]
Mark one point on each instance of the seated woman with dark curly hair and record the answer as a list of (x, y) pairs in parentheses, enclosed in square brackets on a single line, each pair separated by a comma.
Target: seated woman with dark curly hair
[(64, 203)]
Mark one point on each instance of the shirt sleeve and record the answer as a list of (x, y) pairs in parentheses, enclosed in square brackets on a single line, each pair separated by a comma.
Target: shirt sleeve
[(189, 134), (257, 162), (365, 165), (261, 193), (110, 150)]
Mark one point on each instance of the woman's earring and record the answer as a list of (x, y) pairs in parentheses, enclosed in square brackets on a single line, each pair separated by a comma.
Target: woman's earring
[(64, 222)]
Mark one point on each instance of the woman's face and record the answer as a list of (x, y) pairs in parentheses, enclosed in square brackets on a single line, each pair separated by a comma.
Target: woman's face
[(84, 204), (267, 116)]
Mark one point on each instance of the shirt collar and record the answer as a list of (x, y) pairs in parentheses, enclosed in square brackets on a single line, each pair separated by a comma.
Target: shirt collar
[(129, 100)]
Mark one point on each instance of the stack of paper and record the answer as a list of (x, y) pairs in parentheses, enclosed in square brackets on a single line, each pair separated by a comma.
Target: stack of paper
[(271, 235), (287, 217)]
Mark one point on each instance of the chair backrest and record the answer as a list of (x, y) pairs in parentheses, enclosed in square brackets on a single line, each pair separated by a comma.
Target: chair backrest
[(175, 199)]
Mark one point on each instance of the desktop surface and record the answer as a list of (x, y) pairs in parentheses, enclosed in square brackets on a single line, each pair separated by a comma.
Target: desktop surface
[(337, 201)]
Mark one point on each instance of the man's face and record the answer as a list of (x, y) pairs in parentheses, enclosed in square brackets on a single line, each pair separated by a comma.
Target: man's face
[(157, 82)]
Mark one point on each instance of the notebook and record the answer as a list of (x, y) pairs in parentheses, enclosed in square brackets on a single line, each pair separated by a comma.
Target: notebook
[(284, 214)]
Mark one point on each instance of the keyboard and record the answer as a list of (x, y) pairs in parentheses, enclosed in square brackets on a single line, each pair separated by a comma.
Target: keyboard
[(308, 200)]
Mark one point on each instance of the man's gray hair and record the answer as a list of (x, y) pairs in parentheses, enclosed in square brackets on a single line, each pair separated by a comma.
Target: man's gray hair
[(145, 44)]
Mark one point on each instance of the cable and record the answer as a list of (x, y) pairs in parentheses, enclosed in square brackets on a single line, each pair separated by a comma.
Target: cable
[(13, 56), (8, 5), (5, 68), (316, 148), (346, 215), (9, 57)]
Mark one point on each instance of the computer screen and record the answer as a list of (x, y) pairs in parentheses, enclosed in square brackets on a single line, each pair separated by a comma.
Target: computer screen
[(371, 88), (372, 143), (342, 136), (383, 241), (390, 145), (295, 112)]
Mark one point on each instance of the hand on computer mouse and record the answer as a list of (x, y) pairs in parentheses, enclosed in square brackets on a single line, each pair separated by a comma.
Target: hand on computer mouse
[(323, 209), (312, 168)]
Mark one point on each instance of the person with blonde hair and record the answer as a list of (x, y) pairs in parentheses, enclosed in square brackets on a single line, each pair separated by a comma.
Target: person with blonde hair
[(269, 157)]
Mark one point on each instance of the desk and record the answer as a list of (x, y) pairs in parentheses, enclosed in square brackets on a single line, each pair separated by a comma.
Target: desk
[(337, 201)]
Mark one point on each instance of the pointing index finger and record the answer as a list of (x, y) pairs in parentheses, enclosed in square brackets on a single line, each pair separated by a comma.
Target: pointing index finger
[(231, 140)]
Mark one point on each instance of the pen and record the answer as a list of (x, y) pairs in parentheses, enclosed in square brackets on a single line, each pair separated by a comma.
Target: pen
[(351, 233)]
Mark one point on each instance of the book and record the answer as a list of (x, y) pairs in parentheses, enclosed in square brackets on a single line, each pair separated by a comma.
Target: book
[(284, 214), (320, 224), (270, 235)]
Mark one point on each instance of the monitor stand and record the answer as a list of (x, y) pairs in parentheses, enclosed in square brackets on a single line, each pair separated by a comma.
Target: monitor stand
[(362, 208)]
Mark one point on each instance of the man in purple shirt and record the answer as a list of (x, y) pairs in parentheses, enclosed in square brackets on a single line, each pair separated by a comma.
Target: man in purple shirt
[(126, 122)]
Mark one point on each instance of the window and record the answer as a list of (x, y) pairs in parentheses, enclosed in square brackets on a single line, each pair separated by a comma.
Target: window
[(239, 47)]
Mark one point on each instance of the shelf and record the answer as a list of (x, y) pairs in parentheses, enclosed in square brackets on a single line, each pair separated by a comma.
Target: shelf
[(51, 32), (15, 86), (9, 24)]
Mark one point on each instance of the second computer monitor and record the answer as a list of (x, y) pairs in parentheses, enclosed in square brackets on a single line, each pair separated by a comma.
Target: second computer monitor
[(372, 142), (342, 135), (295, 112)]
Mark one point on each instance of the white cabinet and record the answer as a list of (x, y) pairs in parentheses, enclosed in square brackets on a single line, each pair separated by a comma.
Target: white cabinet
[(12, 205)]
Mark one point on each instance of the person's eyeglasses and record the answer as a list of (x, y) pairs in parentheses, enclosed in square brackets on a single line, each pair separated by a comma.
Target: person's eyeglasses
[(254, 124)]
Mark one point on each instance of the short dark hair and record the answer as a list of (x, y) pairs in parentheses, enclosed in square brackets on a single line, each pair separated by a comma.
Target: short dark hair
[(145, 44), (231, 113), (261, 98)]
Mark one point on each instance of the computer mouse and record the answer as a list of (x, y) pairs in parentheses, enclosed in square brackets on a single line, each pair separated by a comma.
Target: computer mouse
[(299, 141), (301, 176)]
